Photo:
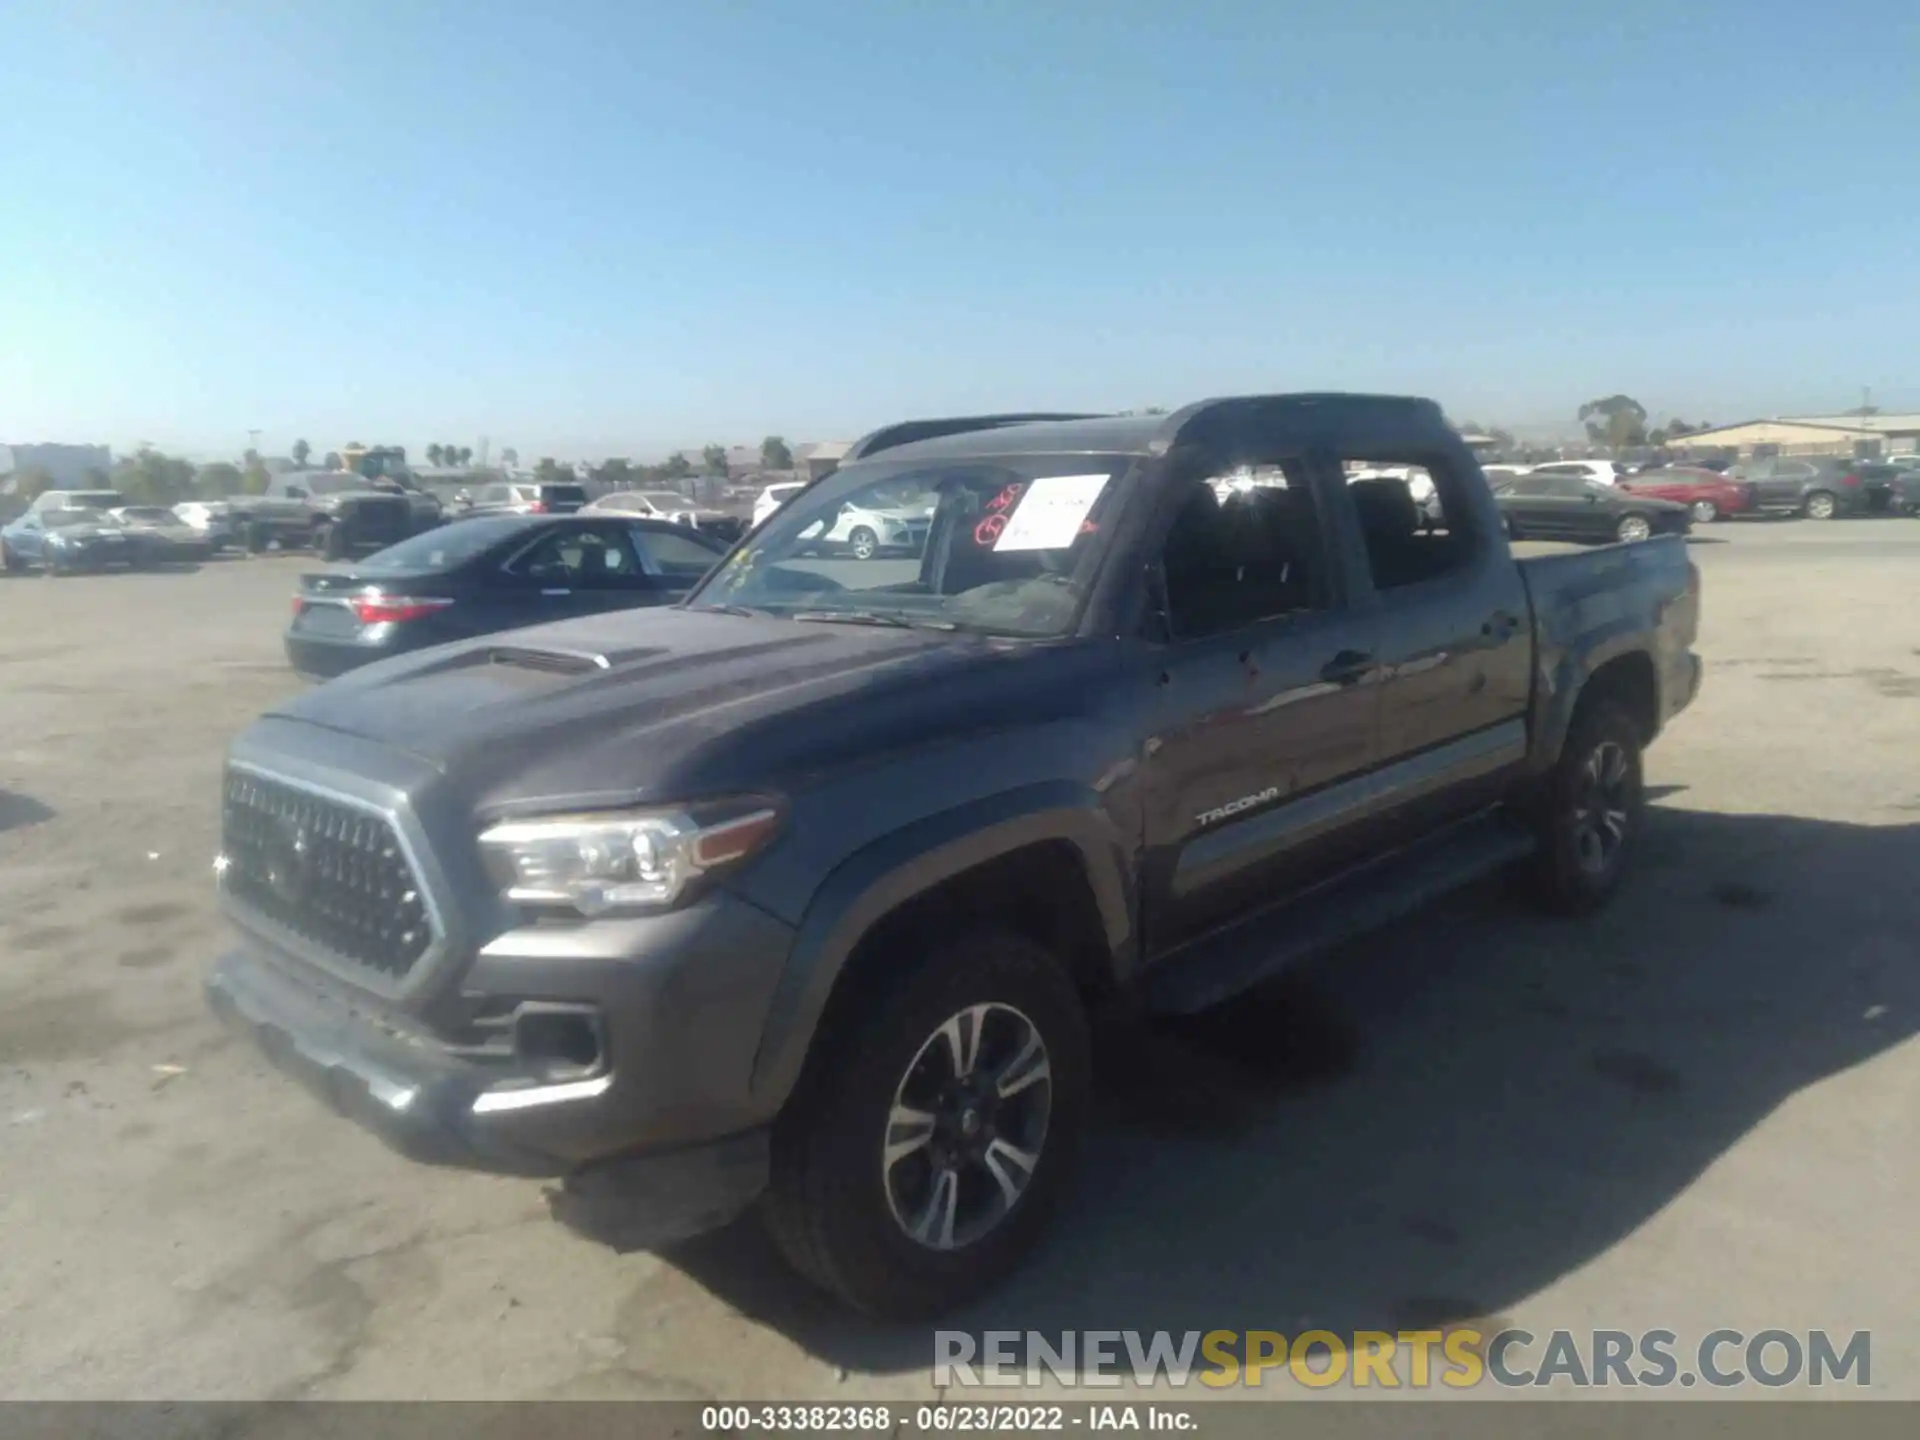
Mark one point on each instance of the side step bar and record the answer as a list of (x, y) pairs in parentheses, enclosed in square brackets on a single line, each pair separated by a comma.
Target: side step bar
[(1218, 966)]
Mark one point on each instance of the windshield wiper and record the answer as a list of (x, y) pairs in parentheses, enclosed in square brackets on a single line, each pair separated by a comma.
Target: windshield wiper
[(740, 610), (869, 617)]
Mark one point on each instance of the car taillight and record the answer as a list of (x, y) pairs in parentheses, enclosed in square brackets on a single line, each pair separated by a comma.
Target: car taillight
[(299, 603), (1850, 479), (390, 609), (538, 507)]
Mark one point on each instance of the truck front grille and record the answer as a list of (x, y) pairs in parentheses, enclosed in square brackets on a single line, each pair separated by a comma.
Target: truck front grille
[(331, 873)]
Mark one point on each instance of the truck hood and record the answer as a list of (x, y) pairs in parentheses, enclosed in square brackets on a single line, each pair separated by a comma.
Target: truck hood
[(661, 705)]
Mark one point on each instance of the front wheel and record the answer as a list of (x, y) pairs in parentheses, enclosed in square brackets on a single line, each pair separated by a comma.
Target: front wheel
[(1587, 818), (865, 543), (1633, 527), (9, 561), (1820, 505), (1705, 512), (935, 1130)]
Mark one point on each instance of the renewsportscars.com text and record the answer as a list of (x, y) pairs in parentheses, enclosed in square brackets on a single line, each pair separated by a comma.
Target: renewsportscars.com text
[(1458, 1358)]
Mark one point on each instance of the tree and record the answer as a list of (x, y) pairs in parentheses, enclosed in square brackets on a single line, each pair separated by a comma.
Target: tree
[(301, 450), (677, 467), (32, 482), (466, 455), (713, 459), (615, 474), (150, 478), (774, 454), (1618, 421), (252, 457), (218, 480), (550, 471), (435, 454), (333, 460), (510, 457)]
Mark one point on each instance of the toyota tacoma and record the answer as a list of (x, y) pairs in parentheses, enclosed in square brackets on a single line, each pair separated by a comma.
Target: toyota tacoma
[(800, 893)]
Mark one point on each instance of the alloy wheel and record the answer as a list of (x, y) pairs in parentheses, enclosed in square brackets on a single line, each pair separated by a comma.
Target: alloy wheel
[(865, 543), (1634, 527), (1820, 506), (967, 1127), (1602, 807), (1705, 511)]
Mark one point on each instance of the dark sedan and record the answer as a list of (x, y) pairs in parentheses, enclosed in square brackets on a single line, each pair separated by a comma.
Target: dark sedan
[(1567, 507), (493, 572)]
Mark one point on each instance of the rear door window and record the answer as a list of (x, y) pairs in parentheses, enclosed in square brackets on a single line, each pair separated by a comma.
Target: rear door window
[(672, 555)]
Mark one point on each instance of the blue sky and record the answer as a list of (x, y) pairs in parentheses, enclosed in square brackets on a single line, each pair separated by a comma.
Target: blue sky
[(586, 227)]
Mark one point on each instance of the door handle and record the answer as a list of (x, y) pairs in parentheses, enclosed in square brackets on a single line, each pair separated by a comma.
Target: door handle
[(1346, 668)]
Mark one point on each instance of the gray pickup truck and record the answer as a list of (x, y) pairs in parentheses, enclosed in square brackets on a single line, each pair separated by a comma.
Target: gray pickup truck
[(802, 892), (332, 512)]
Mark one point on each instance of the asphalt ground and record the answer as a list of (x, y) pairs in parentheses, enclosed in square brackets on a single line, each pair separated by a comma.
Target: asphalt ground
[(1694, 1111)]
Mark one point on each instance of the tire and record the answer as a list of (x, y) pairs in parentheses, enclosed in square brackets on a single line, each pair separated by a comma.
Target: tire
[(843, 1215), (333, 542), (864, 542), (9, 561), (1567, 874), (256, 538), (1633, 527), (1820, 505), (1704, 512)]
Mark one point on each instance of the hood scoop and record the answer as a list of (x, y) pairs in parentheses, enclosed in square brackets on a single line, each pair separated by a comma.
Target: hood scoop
[(548, 662)]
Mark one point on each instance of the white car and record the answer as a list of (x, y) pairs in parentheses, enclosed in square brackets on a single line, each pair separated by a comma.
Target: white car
[(1601, 472), (666, 505), (865, 530), (773, 497)]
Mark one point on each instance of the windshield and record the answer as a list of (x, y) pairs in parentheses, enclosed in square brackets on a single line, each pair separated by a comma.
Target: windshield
[(149, 512), (331, 484), (443, 547), (664, 499), (1006, 545)]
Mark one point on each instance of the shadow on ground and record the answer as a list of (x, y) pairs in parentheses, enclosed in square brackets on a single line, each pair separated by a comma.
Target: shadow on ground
[(1443, 1120), (17, 811)]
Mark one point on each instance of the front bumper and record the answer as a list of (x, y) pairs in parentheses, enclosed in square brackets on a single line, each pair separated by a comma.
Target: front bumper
[(435, 1107)]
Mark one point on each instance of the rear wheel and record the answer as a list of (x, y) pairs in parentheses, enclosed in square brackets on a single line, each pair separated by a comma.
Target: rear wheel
[(1588, 815), (865, 543), (1633, 527), (1705, 512), (935, 1129), (1820, 505)]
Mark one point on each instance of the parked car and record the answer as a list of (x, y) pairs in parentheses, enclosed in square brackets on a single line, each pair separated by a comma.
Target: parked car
[(69, 540), (1601, 472), (673, 508), (524, 497), (1708, 496), (427, 508), (490, 573), (163, 536), (773, 497), (1553, 505), (1819, 488), (864, 527), (210, 519), (331, 512), (804, 891), (1500, 474), (77, 500)]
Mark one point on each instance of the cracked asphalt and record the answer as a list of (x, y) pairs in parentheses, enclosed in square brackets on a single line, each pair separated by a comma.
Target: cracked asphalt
[(1696, 1110)]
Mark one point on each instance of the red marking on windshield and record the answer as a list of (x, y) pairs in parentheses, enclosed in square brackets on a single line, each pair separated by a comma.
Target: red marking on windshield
[(988, 530), (1004, 500)]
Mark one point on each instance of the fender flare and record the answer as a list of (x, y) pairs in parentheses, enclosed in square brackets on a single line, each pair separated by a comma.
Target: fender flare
[(1563, 683), (891, 870)]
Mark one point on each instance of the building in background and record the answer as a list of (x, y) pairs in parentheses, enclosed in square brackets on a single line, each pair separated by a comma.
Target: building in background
[(1857, 436), (819, 460), (67, 465)]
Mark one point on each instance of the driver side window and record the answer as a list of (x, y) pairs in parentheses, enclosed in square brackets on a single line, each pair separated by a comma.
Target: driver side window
[(1245, 546)]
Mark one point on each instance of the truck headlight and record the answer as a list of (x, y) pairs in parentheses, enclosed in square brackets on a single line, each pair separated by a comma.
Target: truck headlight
[(636, 858)]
